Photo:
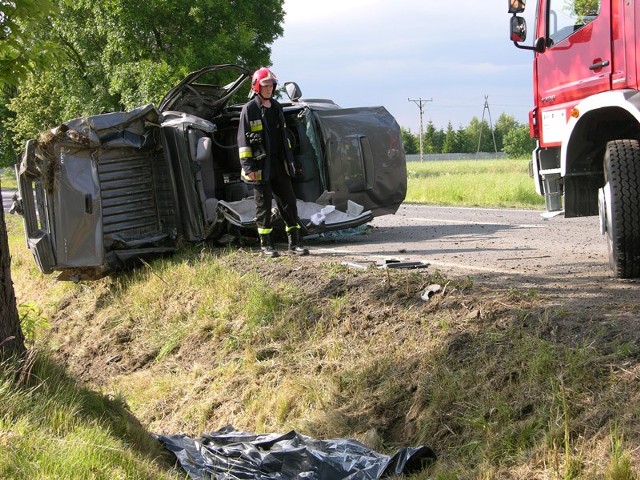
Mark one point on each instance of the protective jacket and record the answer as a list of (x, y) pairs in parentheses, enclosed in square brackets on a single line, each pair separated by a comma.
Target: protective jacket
[(250, 145)]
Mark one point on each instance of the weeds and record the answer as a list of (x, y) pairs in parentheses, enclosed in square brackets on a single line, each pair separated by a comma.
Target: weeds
[(619, 467), (31, 321)]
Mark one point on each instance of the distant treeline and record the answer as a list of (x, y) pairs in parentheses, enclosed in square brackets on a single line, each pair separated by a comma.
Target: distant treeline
[(507, 135)]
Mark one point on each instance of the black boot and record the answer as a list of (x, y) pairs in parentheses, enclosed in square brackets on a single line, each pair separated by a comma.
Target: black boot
[(295, 244), (266, 245)]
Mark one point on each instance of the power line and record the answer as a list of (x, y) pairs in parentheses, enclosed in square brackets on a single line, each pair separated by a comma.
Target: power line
[(420, 103)]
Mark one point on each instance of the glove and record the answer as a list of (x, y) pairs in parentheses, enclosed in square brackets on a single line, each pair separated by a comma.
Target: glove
[(255, 140)]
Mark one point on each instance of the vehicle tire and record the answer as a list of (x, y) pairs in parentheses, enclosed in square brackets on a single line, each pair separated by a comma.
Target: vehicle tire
[(619, 205)]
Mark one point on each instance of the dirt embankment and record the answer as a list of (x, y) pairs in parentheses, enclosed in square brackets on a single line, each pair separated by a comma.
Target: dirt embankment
[(363, 355)]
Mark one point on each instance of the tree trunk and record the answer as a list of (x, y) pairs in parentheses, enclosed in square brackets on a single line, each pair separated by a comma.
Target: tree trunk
[(11, 338)]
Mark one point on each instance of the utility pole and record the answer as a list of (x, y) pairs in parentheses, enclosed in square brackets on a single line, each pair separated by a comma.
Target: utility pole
[(420, 102), (487, 109)]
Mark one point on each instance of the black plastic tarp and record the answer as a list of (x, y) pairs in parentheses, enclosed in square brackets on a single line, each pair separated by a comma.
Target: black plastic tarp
[(229, 454)]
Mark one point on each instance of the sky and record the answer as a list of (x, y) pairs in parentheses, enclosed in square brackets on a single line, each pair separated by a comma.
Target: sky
[(375, 52)]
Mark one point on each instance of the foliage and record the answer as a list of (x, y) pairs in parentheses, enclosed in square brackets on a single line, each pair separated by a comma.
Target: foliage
[(504, 125), (116, 55), (31, 320), (409, 141), (433, 139), (8, 178), (451, 143), (518, 142), (484, 137), (509, 136), (7, 155), (21, 51), (83, 58), (585, 8)]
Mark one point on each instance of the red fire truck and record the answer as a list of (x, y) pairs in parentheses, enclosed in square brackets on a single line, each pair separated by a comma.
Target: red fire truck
[(586, 115)]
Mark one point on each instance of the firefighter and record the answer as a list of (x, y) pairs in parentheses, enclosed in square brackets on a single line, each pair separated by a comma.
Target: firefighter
[(267, 162)]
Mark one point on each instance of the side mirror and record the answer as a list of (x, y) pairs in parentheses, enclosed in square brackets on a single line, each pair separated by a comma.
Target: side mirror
[(516, 6), (518, 29), (293, 91)]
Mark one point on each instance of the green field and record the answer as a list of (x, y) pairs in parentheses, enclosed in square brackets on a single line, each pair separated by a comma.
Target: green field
[(473, 183), (7, 178)]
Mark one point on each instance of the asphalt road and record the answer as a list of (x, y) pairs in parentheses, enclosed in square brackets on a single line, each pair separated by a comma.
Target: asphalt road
[(6, 198), (499, 242)]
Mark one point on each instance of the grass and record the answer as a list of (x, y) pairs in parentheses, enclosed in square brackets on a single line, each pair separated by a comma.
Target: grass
[(211, 337), (482, 183), (8, 178), (51, 427)]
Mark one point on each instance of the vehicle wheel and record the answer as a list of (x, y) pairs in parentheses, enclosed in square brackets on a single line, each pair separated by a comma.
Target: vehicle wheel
[(619, 206)]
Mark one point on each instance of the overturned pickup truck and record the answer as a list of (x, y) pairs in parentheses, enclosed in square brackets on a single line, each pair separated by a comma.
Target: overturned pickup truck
[(101, 191)]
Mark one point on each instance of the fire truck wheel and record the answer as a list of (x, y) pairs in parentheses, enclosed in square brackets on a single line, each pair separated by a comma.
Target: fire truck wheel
[(619, 201)]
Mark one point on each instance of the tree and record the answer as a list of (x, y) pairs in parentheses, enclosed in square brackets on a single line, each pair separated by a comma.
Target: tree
[(510, 136), (451, 141), (7, 155), (115, 55), (504, 125), (70, 59), (586, 8), (409, 141), (464, 142), (20, 53), (20, 50), (11, 338), (433, 139), (518, 142), (481, 134)]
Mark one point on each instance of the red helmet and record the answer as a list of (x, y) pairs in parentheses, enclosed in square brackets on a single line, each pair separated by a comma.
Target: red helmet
[(262, 76)]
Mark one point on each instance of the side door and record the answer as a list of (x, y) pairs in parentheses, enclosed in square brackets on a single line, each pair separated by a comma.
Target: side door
[(576, 63), (365, 161)]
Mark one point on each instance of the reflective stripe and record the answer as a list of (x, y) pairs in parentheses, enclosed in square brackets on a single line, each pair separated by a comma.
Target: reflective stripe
[(264, 231), (258, 176), (256, 125), (295, 227), (245, 152)]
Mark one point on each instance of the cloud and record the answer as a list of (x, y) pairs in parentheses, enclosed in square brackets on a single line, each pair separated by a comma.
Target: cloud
[(372, 52)]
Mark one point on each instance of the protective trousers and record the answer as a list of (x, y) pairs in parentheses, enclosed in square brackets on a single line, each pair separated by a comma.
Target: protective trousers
[(281, 190)]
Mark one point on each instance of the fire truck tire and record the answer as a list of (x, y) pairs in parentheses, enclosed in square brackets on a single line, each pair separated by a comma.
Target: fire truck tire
[(620, 206)]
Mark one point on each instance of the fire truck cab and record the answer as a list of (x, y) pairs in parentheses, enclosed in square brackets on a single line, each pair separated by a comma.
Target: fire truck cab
[(586, 115)]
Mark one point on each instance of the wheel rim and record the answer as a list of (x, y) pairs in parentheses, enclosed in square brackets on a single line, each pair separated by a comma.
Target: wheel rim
[(605, 215), (604, 209)]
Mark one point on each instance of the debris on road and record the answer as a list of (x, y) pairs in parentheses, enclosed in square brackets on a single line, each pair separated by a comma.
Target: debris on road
[(430, 291)]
